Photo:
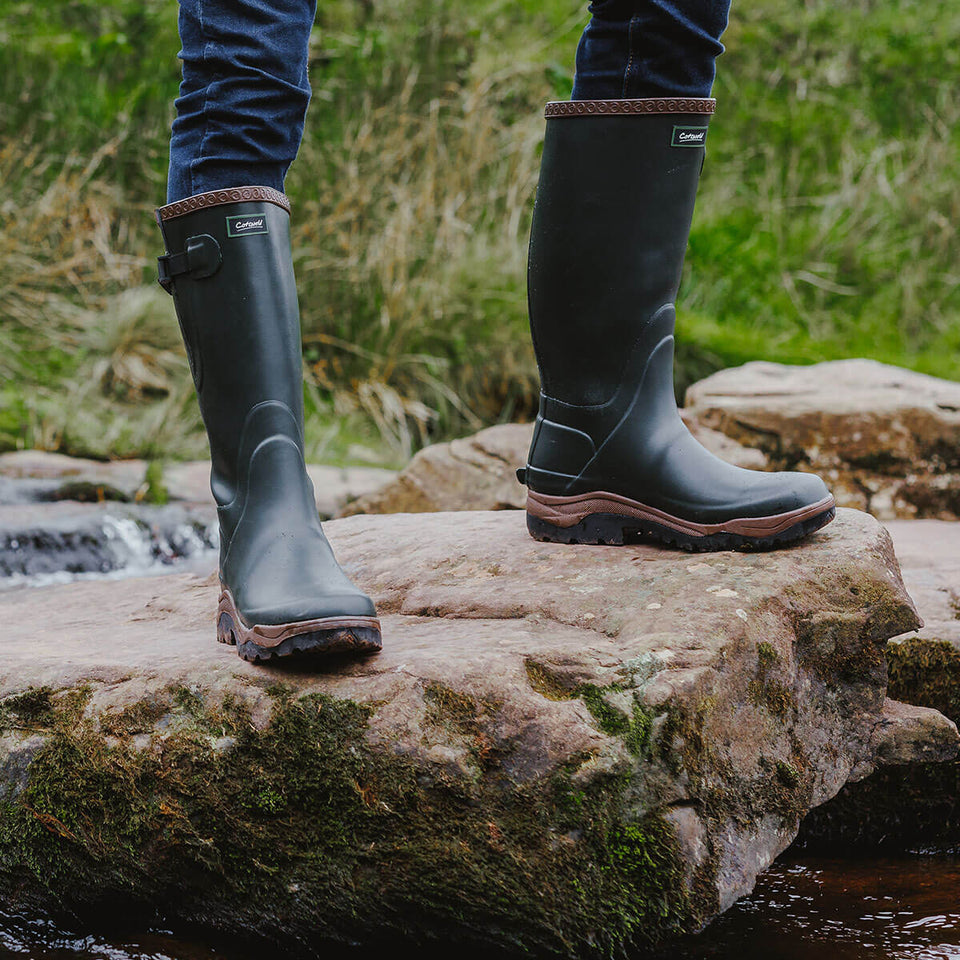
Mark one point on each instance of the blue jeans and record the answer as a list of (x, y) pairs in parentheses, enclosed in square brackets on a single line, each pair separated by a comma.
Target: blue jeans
[(650, 48), (245, 91)]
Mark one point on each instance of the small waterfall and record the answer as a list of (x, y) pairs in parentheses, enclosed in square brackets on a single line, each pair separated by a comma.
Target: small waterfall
[(104, 540)]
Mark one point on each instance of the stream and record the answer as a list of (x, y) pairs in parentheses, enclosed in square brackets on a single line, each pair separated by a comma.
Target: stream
[(44, 541), (902, 907)]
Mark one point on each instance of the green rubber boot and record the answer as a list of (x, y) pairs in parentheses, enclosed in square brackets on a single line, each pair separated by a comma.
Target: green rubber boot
[(611, 459), (229, 268)]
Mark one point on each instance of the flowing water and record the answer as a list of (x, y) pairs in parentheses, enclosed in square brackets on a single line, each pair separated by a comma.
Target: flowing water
[(44, 543), (804, 908), (814, 908)]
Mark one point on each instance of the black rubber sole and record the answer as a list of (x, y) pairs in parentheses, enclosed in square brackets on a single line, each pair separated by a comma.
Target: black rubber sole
[(360, 641), (615, 530)]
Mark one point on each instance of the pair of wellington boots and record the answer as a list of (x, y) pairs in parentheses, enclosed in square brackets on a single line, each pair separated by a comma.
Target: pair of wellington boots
[(611, 459)]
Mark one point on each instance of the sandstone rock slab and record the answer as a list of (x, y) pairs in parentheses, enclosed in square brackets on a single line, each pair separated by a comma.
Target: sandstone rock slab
[(929, 556), (558, 749), (473, 473), (333, 487), (885, 439), (908, 734), (48, 476)]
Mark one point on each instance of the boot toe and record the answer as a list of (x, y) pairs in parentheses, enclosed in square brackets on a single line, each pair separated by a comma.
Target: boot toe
[(317, 605), (774, 494), (808, 489)]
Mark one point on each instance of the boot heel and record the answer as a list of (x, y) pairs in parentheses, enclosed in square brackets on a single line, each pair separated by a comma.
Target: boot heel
[(598, 528)]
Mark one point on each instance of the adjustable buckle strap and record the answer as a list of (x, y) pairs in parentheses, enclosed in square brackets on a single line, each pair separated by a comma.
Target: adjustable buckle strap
[(201, 258)]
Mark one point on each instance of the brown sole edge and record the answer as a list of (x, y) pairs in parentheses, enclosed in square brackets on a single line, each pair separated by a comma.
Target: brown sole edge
[(601, 517), (333, 636)]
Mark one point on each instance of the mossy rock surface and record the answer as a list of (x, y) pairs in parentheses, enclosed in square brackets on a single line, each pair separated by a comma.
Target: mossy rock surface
[(910, 805), (916, 804), (559, 750)]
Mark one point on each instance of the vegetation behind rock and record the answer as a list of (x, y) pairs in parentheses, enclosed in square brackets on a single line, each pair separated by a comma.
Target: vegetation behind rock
[(826, 225)]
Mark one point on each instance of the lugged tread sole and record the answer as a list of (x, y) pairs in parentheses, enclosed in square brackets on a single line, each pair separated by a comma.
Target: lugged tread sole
[(335, 636), (616, 530)]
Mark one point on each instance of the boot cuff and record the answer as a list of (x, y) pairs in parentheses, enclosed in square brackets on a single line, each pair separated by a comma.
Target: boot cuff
[(610, 108), (216, 198)]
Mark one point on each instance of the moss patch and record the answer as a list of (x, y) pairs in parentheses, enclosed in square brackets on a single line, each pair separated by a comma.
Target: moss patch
[(925, 673), (632, 728), (140, 717), (767, 655), (772, 694), (27, 709), (546, 683), (266, 833), (647, 853), (788, 774)]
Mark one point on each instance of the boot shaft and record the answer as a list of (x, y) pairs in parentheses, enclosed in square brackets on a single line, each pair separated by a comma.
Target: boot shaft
[(611, 458), (230, 271), (614, 205)]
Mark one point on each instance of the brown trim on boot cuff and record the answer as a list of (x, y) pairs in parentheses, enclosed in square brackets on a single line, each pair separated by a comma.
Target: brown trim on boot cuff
[(216, 198), (611, 108)]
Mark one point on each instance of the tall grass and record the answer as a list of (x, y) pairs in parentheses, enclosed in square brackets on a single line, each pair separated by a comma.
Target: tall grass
[(826, 223), (830, 203)]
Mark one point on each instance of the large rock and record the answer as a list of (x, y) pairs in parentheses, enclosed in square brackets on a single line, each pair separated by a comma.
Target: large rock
[(929, 554), (474, 473), (559, 748), (40, 475), (885, 439)]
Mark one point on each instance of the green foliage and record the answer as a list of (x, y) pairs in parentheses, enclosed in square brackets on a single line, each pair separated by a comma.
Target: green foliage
[(154, 487), (633, 728), (826, 222)]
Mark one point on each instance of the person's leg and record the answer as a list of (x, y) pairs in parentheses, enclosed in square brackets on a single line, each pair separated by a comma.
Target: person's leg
[(611, 458), (228, 265), (650, 48), (243, 96)]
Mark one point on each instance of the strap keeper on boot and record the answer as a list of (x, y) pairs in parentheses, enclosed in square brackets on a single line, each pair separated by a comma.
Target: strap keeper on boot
[(201, 258)]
